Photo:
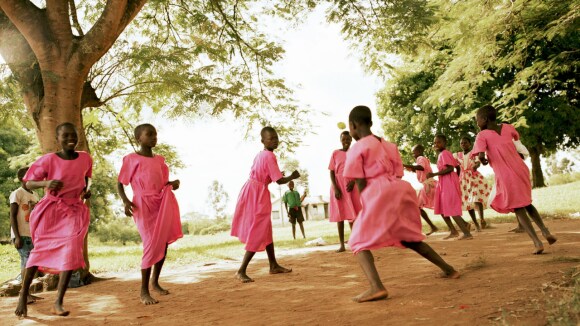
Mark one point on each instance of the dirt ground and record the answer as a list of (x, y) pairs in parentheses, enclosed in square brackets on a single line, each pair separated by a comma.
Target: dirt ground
[(501, 282)]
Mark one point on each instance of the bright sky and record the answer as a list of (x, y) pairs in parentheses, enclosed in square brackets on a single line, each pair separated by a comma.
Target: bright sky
[(331, 80)]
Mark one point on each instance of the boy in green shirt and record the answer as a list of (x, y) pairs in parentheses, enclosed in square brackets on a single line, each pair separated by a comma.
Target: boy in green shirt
[(292, 198)]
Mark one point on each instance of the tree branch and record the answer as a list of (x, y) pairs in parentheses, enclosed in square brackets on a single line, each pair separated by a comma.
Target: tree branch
[(75, 18), (32, 24), (57, 15)]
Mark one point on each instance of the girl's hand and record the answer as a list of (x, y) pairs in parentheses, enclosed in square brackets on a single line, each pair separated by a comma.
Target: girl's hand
[(54, 184), (129, 207), (483, 160), (175, 184), (87, 194), (430, 175), (295, 175), (350, 186), (337, 193)]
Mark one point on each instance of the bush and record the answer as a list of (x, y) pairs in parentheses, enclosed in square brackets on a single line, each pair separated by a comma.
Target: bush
[(118, 230), (564, 178), (206, 226)]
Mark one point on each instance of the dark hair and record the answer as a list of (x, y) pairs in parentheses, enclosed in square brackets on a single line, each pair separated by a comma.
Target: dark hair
[(139, 129), (442, 137), (466, 138), (361, 114), (65, 125), (21, 173), (419, 147), (267, 129), (346, 133), (487, 111)]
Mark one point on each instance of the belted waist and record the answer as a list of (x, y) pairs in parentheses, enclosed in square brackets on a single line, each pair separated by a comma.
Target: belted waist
[(66, 200), (258, 181)]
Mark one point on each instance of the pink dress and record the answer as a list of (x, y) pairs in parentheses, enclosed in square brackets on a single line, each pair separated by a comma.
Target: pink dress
[(474, 188), (157, 212), (60, 220), (427, 193), (447, 192), (347, 208), (390, 211), (512, 176), (252, 222)]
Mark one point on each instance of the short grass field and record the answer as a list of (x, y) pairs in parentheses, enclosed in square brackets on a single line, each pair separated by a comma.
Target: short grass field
[(553, 202)]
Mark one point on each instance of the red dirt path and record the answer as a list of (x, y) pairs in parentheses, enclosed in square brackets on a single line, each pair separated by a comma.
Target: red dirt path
[(506, 286)]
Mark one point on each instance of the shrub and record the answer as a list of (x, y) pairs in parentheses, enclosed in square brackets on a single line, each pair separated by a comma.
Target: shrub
[(206, 226), (118, 230), (560, 179)]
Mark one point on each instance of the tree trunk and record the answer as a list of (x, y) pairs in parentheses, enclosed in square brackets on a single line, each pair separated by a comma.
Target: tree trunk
[(537, 174)]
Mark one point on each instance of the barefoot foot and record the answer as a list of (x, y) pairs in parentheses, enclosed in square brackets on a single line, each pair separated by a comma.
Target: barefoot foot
[(452, 275), (539, 250), (341, 249), (465, 237), (21, 309), (371, 295), (483, 224), (451, 235), (157, 288), (432, 231), (242, 277), (33, 298), (279, 270), (551, 239), (147, 299), (58, 310), (517, 230)]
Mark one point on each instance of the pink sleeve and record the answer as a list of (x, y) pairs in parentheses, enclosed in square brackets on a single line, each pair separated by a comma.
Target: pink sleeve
[(396, 160), (127, 170), (423, 161), (448, 159), (38, 171), (332, 164), (353, 167), (164, 168), (514, 132), (273, 169), (480, 144), (89, 173)]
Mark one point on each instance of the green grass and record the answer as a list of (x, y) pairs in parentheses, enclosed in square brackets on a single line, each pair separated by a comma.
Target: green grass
[(565, 310), (554, 201)]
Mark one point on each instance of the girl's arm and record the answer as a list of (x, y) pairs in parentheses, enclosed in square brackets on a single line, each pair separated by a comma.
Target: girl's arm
[(445, 171), (361, 184), (413, 167), (14, 224), (175, 184), (337, 192), (285, 180), (482, 158), (458, 169), (50, 184), (126, 202)]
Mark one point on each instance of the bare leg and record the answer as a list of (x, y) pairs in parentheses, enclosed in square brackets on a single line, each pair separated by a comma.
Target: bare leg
[(275, 268), (426, 251), (377, 291), (22, 309), (340, 226), (146, 297), (452, 231), (533, 212), (241, 274), (156, 272), (519, 228), (527, 224), (302, 229), (474, 219), (428, 221), (63, 279), (480, 210), (294, 230), (31, 298), (464, 226)]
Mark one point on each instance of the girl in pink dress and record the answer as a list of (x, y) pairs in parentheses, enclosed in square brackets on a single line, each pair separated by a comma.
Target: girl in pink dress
[(344, 198), (252, 222), (474, 188), (60, 220), (427, 193), (154, 206), (447, 192), (512, 177), (390, 211)]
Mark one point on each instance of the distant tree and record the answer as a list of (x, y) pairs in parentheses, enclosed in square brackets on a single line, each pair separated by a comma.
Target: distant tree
[(217, 198), (290, 164)]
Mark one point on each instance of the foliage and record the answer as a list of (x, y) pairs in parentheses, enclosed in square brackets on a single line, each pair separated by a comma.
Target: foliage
[(13, 142), (560, 179), (205, 226), (288, 165), (118, 230), (217, 198)]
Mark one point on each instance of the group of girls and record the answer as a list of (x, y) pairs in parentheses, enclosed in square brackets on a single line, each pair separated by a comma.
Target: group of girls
[(366, 187)]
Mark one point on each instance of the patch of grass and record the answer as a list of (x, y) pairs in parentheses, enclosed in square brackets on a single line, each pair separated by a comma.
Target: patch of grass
[(566, 310), (477, 263), (565, 259), (10, 262)]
